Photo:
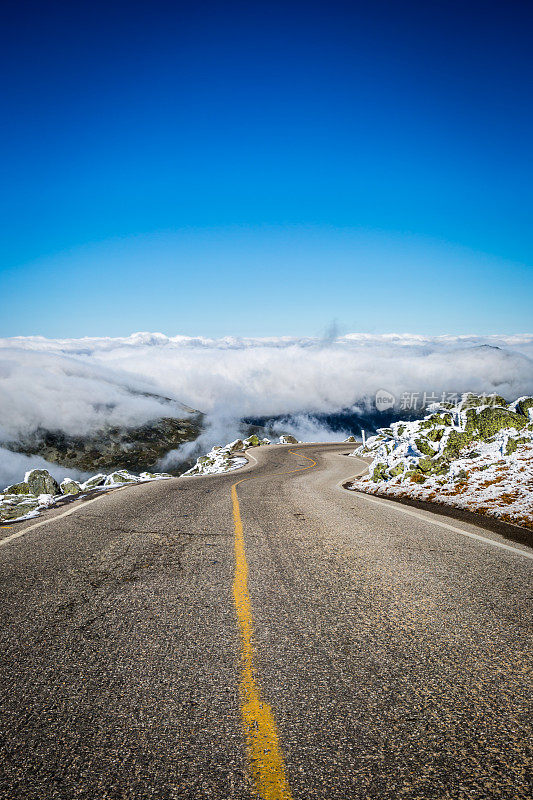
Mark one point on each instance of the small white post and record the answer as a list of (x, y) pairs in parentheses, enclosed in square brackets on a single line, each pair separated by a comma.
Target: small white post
[(364, 437)]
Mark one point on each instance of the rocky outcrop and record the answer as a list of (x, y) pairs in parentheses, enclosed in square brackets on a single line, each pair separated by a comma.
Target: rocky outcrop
[(477, 454)]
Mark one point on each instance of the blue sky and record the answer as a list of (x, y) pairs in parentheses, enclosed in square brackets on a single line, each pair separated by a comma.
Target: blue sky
[(246, 169)]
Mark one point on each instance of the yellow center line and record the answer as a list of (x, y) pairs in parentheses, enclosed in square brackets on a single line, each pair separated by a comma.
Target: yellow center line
[(264, 750)]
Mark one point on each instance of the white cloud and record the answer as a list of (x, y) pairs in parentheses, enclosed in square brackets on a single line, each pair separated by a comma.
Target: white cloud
[(76, 384), (13, 467)]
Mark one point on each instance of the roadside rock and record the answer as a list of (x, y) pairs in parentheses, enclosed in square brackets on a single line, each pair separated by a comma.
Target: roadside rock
[(287, 439), (17, 488), (68, 486), (41, 482), (96, 480), (122, 476)]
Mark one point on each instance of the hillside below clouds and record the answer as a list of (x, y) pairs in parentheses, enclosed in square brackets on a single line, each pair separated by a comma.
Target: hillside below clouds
[(86, 417)]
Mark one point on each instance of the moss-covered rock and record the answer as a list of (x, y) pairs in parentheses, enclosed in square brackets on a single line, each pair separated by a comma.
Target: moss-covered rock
[(18, 488), (426, 465), (380, 473), (511, 447), (121, 476), (235, 446), (455, 443), (436, 419), (41, 482), (435, 435), (69, 486), (424, 446), (12, 512), (285, 439), (397, 470), (441, 466), (253, 441), (491, 420), (523, 406), (96, 480), (401, 429)]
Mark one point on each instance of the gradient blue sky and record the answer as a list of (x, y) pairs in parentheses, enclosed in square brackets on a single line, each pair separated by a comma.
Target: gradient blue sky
[(262, 169)]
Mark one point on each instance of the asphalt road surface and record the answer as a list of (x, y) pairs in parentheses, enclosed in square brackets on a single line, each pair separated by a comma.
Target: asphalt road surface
[(284, 639)]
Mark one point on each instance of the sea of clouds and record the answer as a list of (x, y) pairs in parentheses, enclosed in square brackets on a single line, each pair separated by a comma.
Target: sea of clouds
[(77, 385)]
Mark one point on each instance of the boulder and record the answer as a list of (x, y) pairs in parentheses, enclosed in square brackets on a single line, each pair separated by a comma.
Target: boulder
[(233, 447), (455, 443), (121, 476), (436, 419), (287, 439), (350, 439), (511, 446), (18, 488), (68, 486), (397, 470), (41, 482), (92, 483), (380, 473), (424, 446)]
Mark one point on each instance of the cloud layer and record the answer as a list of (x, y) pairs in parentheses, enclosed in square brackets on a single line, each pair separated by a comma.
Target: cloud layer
[(76, 384)]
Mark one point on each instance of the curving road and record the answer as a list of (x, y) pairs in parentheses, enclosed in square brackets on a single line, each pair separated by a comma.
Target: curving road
[(281, 639)]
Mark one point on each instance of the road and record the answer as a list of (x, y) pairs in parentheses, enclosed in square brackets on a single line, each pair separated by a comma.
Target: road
[(281, 639)]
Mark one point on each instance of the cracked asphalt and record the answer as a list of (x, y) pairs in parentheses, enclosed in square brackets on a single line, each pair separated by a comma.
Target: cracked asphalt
[(395, 655)]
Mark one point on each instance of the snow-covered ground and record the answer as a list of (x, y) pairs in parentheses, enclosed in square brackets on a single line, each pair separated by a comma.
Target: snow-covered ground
[(475, 455), (229, 457)]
